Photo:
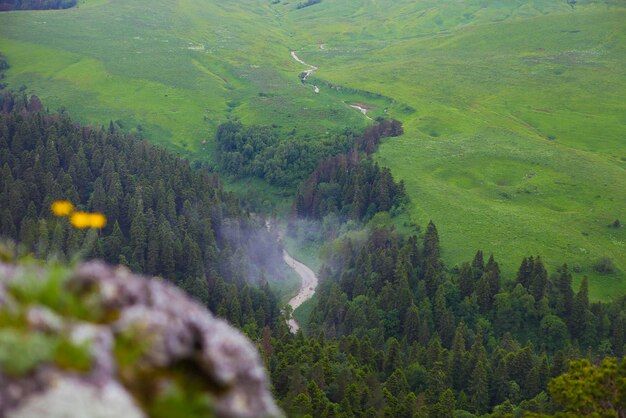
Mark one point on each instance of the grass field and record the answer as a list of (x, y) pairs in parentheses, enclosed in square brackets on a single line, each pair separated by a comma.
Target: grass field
[(173, 70), (518, 142), (514, 111)]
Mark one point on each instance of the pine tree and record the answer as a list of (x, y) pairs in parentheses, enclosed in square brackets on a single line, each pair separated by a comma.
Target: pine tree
[(437, 383), (432, 279), (97, 200), (478, 263), (393, 359), (403, 293), (521, 363), (393, 407), (7, 225), (483, 293), (538, 280), (580, 310), (445, 406), (501, 380), (167, 260), (619, 335), (138, 236), (410, 405), (192, 253), (319, 401), (532, 385), (458, 360), (466, 280), (479, 388), (29, 227), (397, 384), (565, 296), (351, 402), (152, 244), (493, 273), (524, 274), (411, 324), (113, 244), (444, 318), (431, 250)]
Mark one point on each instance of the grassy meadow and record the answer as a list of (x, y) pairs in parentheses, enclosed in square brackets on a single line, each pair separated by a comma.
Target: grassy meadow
[(514, 111), (517, 144), (172, 70)]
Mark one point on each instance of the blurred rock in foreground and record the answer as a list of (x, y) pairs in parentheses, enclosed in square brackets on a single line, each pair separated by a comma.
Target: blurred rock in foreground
[(101, 342)]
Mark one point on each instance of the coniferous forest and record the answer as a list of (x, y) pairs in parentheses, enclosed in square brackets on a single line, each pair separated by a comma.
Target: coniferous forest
[(6, 5), (164, 218), (393, 333)]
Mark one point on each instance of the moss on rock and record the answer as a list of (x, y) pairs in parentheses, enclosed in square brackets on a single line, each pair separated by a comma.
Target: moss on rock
[(96, 334)]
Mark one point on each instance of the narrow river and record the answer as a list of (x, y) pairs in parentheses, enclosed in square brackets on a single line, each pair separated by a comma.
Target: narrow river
[(307, 73), (308, 282), (307, 287), (312, 69)]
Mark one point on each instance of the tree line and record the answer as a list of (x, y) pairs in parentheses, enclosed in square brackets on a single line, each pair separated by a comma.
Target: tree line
[(258, 151), (7, 5), (164, 218), (307, 3), (348, 187), (394, 333)]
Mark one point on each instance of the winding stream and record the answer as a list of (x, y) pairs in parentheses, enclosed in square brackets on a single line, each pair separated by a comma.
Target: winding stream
[(308, 282), (362, 110), (309, 279), (308, 72), (312, 69), (307, 287)]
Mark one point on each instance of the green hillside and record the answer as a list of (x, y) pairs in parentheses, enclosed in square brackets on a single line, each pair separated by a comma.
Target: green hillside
[(517, 144), (176, 69), (514, 111)]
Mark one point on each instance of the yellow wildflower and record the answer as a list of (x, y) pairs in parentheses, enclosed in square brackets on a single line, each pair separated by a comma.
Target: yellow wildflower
[(80, 220), (98, 220), (62, 208)]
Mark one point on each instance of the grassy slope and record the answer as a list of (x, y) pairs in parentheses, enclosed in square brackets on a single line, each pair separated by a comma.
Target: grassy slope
[(178, 69), (514, 110), (517, 143)]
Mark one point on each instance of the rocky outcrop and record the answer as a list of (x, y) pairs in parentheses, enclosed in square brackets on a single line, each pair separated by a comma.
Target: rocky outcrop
[(99, 341)]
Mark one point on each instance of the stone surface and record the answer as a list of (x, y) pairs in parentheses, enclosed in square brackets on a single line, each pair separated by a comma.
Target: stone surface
[(71, 398), (147, 337)]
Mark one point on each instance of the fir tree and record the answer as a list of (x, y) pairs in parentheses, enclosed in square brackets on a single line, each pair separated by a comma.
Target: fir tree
[(580, 310)]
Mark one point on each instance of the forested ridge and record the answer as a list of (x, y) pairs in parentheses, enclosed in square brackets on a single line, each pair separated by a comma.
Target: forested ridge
[(394, 332), (164, 218)]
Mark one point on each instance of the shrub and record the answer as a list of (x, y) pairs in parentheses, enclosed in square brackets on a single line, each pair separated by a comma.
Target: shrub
[(615, 224), (604, 265)]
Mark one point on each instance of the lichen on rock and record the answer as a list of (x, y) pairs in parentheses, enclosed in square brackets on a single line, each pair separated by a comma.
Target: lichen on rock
[(107, 343)]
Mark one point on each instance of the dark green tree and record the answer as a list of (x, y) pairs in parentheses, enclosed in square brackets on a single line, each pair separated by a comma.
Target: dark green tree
[(579, 320)]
